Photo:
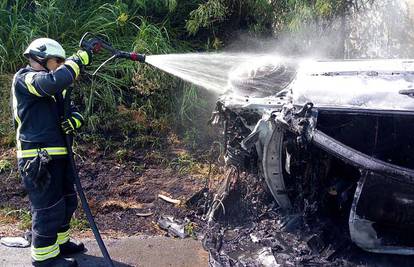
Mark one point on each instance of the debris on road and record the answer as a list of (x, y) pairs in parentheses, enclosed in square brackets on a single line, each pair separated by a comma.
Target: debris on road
[(253, 231), (15, 242), (170, 200), (262, 257), (174, 226)]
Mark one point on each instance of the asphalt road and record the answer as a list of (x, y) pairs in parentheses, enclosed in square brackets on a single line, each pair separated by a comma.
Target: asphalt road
[(131, 251)]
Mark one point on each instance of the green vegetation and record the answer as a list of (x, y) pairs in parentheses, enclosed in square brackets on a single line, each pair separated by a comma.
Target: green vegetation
[(183, 163), (5, 165), (190, 229), (25, 220), (22, 217), (135, 106), (223, 17), (6, 132), (78, 224)]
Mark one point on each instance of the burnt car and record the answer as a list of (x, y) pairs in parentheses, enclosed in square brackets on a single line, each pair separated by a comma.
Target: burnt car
[(329, 137)]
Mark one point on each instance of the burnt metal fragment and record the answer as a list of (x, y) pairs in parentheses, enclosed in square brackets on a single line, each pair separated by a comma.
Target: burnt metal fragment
[(174, 226)]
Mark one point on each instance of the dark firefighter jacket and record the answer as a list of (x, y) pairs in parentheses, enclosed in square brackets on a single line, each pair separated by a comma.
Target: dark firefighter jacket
[(38, 106)]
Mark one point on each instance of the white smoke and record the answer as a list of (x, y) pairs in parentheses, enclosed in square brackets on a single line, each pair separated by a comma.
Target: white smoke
[(374, 29), (382, 29)]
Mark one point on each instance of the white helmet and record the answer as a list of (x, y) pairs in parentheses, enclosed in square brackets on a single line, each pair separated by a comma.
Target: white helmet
[(44, 48)]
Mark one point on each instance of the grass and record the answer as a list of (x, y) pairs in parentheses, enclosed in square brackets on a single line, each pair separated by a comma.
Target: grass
[(190, 229), (138, 168), (6, 127), (11, 215), (184, 163), (123, 155), (155, 157), (79, 224), (5, 165), (23, 219)]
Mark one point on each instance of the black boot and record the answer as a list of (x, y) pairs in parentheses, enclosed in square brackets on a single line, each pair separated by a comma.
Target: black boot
[(58, 261), (71, 248)]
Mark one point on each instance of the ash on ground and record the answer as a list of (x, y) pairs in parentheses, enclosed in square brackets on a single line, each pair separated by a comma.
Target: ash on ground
[(248, 229)]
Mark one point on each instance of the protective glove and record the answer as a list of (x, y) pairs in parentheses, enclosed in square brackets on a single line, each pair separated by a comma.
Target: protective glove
[(73, 123), (82, 57)]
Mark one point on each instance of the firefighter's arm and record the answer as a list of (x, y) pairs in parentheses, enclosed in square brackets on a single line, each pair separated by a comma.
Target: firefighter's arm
[(51, 83)]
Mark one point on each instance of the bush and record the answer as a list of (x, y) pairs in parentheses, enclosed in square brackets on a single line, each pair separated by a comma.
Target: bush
[(6, 125)]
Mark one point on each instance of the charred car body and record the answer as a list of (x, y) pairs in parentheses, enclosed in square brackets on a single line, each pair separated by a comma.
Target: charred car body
[(330, 137)]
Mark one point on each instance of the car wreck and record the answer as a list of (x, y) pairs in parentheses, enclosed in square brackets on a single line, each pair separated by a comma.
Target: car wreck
[(329, 137)]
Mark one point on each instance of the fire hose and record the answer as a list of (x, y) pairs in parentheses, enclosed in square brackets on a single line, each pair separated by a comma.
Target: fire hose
[(95, 45)]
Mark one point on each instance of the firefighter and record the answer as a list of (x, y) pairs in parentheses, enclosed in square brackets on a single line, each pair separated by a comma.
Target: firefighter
[(38, 93)]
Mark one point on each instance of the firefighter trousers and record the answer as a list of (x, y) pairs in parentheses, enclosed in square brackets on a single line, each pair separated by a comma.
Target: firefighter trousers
[(52, 206)]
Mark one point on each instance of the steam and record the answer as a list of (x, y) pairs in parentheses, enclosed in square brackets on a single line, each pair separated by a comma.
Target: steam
[(381, 30), (371, 29)]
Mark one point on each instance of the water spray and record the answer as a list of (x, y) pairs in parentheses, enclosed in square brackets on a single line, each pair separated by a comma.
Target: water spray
[(212, 71)]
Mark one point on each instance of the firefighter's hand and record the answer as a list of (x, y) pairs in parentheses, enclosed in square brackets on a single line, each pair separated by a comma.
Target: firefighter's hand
[(82, 57), (68, 126), (75, 121)]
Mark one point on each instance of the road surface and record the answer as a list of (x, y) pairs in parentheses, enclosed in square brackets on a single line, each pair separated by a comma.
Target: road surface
[(131, 251)]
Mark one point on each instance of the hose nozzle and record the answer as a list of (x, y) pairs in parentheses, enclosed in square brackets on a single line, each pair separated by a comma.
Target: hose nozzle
[(132, 56), (138, 57)]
